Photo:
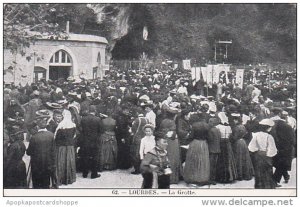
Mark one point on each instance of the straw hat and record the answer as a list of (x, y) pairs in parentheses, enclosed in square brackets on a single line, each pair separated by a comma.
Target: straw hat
[(42, 114), (148, 126), (54, 105), (267, 122)]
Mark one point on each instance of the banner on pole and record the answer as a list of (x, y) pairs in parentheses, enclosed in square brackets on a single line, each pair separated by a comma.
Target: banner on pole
[(239, 77), (186, 64), (209, 74), (215, 73), (226, 69), (196, 73), (193, 73), (204, 73)]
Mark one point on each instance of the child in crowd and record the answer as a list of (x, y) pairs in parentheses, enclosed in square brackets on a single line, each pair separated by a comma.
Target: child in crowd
[(148, 142)]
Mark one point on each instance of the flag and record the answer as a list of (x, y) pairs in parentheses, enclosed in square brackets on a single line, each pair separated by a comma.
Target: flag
[(226, 73), (186, 64), (204, 73), (216, 73), (209, 75), (198, 73), (145, 33), (239, 77), (193, 73)]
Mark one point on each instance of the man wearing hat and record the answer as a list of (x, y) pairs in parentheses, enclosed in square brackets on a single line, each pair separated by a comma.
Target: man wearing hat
[(91, 131), (41, 149), (285, 139), (252, 124), (263, 149)]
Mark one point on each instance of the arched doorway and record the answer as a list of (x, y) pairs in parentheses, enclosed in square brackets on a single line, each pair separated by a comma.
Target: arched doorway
[(60, 65)]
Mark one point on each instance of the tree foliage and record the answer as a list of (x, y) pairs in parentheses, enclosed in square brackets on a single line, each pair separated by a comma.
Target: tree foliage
[(24, 23)]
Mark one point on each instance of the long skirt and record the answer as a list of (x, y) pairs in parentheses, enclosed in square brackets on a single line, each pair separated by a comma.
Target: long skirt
[(108, 155), (244, 165), (15, 175), (65, 167), (175, 160), (263, 171), (197, 165), (226, 167), (124, 161)]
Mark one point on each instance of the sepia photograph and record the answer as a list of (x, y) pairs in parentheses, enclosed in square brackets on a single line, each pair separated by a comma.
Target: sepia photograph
[(149, 99)]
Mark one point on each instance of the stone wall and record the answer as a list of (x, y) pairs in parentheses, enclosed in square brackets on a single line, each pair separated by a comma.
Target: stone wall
[(83, 55)]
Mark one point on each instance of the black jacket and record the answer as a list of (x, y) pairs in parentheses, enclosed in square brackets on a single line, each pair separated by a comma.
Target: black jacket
[(91, 131)]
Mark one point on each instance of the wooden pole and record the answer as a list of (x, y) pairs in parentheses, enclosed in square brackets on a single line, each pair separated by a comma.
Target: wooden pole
[(269, 79), (215, 52), (34, 65), (15, 67), (100, 70)]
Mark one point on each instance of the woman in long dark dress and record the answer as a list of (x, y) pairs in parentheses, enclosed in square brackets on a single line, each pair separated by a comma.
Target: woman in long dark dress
[(123, 121), (226, 167), (65, 150), (197, 165), (108, 154), (183, 130), (244, 165), (168, 127), (263, 147)]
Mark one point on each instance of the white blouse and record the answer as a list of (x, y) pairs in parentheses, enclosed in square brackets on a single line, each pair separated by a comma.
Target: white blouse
[(292, 122), (225, 131), (262, 141), (151, 117), (147, 144)]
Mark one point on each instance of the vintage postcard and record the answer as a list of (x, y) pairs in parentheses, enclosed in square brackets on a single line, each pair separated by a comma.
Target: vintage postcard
[(149, 100)]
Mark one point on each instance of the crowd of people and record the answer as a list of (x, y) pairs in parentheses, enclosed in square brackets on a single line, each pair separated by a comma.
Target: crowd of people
[(161, 123)]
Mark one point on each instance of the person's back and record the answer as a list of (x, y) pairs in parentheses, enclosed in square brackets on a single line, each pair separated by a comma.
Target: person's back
[(14, 166), (91, 128), (284, 137), (41, 149), (91, 131), (109, 124), (84, 106), (214, 138)]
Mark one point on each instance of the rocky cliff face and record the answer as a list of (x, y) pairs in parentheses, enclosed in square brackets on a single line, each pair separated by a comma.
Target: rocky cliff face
[(259, 32)]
